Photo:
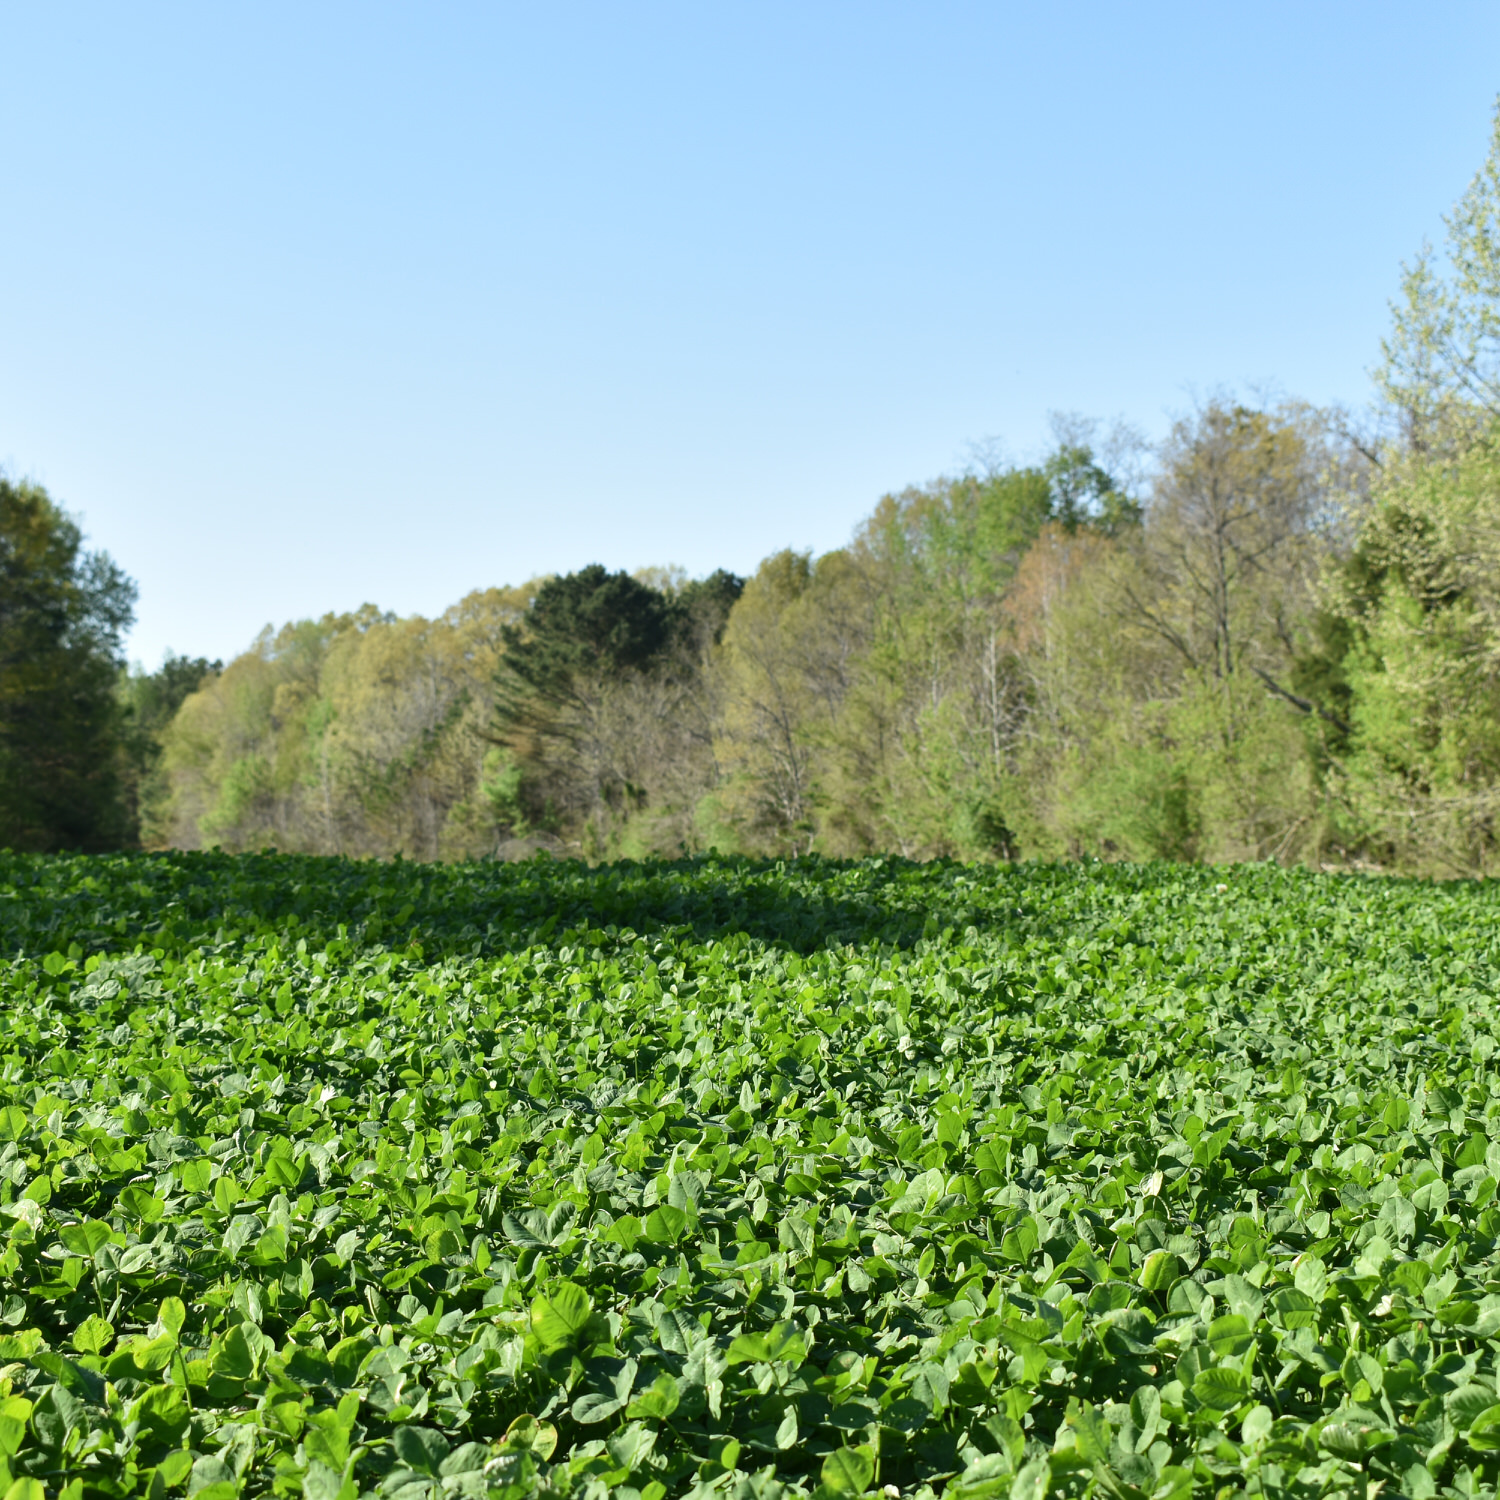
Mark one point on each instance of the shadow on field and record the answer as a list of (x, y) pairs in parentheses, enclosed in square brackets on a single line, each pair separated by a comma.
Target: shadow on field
[(179, 901)]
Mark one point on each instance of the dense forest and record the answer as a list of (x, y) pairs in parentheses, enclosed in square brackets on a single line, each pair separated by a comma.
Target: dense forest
[(1273, 635)]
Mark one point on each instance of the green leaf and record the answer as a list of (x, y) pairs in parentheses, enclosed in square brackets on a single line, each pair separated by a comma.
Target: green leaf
[(560, 1318), (1159, 1270), (665, 1224), (1295, 1308), (140, 1204), (163, 1412), (630, 1446), (1484, 1430), (594, 1407), (527, 1433), (93, 1335), (271, 1248), (528, 1230), (85, 1239), (786, 1430), (196, 1176), (326, 1438), (1020, 1244), (420, 1449), (154, 1355), (1311, 1277), (782, 1344), (658, 1401), (1093, 1434), (849, 1471), (234, 1355), (1256, 1427), (227, 1194), (1033, 1481), (172, 1315), (1230, 1335), (1221, 1387)]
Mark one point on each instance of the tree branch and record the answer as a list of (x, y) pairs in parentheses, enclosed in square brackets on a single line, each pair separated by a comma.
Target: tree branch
[(1302, 705)]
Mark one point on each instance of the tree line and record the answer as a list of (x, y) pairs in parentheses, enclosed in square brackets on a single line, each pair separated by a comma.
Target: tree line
[(1274, 635)]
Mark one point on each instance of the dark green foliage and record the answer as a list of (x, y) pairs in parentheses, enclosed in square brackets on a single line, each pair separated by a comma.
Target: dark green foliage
[(701, 608), (580, 625), (62, 614), (344, 1179), (150, 700)]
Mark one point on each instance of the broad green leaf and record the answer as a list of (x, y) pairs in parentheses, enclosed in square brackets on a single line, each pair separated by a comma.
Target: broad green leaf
[(420, 1449), (658, 1401), (665, 1224), (849, 1471), (85, 1238), (535, 1437), (1295, 1308), (1159, 1270), (141, 1204), (1220, 1387), (1484, 1430), (560, 1317), (172, 1315), (196, 1176), (1311, 1277), (1020, 1244), (1256, 1427), (93, 1335)]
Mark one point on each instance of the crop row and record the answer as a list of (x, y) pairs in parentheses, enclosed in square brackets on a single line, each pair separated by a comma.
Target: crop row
[(342, 1179)]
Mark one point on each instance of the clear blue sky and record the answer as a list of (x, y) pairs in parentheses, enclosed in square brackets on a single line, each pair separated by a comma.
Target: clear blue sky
[(302, 306)]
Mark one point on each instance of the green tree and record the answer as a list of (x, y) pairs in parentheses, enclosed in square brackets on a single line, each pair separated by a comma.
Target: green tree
[(603, 701), (1158, 720), (150, 701), (1440, 371), (1407, 670), (581, 628), (358, 734), (63, 611)]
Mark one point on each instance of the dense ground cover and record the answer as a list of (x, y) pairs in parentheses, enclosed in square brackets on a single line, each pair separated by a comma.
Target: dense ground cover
[(347, 1178)]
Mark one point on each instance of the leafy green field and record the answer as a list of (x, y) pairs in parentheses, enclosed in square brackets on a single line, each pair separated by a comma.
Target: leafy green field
[(333, 1178)]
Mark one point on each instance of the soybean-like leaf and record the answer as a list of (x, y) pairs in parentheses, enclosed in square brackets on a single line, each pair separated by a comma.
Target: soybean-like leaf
[(560, 1317), (93, 1335), (86, 1238), (527, 1433), (665, 1224), (1220, 1387), (595, 1407), (849, 1471), (528, 1229), (420, 1448), (658, 1401), (1159, 1270), (141, 1204)]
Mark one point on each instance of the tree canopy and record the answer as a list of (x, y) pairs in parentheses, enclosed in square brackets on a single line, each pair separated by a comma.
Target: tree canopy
[(63, 612)]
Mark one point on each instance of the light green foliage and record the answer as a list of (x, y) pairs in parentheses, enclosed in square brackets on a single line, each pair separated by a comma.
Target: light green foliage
[(871, 698), (791, 727), (338, 1179), (1157, 723), (149, 702), (359, 734), (1441, 367), (1417, 764)]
